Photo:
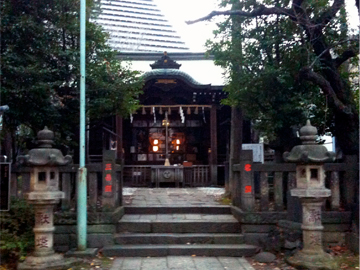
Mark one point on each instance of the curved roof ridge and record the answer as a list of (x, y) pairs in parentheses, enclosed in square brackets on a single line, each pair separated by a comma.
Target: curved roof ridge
[(170, 72)]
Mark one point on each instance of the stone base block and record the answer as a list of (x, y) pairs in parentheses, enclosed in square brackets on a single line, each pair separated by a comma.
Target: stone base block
[(316, 261), (89, 252), (54, 261), (100, 240), (255, 238), (334, 238)]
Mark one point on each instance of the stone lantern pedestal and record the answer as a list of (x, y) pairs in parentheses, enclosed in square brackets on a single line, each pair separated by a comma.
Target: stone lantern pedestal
[(44, 195), (310, 188)]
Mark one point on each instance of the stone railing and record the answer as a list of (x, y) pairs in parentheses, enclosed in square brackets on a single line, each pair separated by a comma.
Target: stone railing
[(265, 187), (20, 185)]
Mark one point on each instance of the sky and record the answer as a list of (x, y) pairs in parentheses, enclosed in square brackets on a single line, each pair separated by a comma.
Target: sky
[(177, 12), (195, 35)]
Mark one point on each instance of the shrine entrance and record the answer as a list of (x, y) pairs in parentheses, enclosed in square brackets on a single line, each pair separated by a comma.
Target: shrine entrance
[(180, 133)]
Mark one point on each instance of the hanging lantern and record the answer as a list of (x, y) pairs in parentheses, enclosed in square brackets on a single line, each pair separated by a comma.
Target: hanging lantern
[(196, 110), (188, 111), (143, 110)]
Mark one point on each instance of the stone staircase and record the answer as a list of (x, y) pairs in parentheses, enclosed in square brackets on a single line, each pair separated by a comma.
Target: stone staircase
[(178, 231)]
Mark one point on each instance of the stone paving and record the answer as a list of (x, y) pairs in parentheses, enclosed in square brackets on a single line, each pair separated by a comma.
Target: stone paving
[(176, 197), (172, 196), (181, 263)]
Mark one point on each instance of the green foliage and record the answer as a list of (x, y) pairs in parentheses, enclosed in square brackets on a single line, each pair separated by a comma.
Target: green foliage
[(17, 237), (263, 57), (40, 67)]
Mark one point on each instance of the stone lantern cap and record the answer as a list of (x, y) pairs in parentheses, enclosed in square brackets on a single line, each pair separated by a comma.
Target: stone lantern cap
[(309, 151), (45, 155)]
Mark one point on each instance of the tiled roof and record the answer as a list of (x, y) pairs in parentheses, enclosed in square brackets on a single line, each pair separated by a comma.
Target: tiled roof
[(138, 26)]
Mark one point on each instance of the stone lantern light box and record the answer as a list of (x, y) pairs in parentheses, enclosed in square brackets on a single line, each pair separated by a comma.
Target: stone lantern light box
[(44, 162), (310, 158)]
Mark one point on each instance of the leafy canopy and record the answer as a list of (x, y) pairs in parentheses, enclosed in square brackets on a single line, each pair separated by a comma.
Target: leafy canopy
[(40, 68), (277, 65)]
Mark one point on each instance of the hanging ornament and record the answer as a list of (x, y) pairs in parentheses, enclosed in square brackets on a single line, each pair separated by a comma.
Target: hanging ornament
[(153, 112), (143, 110), (160, 111), (182, 115), (196, 110), (169, 111), (188, 110)]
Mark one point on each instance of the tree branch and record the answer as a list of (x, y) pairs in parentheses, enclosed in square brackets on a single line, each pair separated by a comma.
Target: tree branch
[(327, 16), (261, 10), (301, 16), (339, 60), (344, 56), (309, 75)]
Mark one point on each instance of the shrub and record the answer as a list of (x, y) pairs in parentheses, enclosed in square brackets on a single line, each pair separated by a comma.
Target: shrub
[(17, 236)]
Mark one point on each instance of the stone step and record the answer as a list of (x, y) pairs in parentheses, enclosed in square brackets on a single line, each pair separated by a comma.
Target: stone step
[(178, 209), (178, 238), (242, 250), (178, 223)]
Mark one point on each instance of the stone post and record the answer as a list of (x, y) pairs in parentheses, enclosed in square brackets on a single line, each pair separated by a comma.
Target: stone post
[(44, 194), (310, 188), (243, 195), (109, 179)]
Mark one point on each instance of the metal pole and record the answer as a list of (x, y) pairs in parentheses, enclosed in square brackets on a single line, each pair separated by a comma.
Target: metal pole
[(81, 181)]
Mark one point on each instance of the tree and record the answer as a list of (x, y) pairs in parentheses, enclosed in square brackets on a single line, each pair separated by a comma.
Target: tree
[(40, 69), (291, 59)]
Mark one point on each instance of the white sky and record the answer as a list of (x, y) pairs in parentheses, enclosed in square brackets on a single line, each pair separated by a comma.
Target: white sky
[(177, 12), (195, 36)]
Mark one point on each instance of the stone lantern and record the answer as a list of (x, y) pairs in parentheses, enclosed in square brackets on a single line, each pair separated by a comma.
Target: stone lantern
[(44, 194), (310, 188)]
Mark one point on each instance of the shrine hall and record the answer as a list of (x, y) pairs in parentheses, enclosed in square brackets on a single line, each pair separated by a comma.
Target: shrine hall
[(179, 135)]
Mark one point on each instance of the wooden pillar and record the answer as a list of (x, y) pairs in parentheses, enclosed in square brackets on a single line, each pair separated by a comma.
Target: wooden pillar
[(120, 157), (235, 145), (119, 187), (213, 145), (119, 138)]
